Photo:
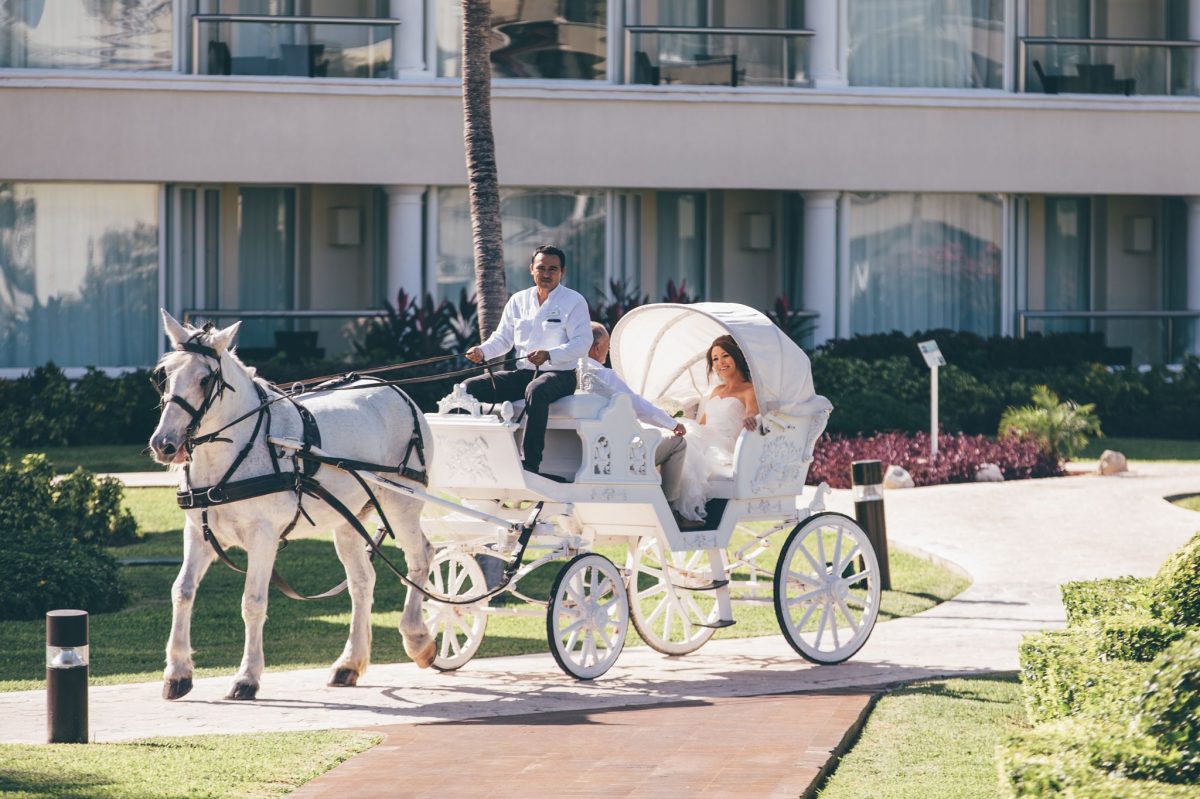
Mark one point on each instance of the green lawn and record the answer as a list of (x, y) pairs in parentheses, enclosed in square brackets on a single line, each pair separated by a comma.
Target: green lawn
[(1144, 449), (127, 646), (211, 766), (932, 739), (1190, 503), (104, 458)]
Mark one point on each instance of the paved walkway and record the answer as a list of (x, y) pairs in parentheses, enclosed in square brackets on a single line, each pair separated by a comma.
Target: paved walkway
[(1017, 540)]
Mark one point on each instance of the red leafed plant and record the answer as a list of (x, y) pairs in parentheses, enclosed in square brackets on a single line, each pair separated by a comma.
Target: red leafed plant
[(959, 457)]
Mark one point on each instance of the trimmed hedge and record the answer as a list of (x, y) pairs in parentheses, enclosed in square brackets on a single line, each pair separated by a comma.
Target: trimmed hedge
[(1134, 637), (1088, 600), (1175, 595), (1063, 674), (1169, 710)]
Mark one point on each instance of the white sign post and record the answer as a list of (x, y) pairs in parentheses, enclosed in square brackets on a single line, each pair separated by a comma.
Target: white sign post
[(933, 359)]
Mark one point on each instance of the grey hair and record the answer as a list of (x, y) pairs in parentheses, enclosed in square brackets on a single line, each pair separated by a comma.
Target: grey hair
[(599, 333)]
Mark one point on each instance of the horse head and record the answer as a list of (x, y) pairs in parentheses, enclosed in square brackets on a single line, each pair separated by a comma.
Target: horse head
[(195, 375)]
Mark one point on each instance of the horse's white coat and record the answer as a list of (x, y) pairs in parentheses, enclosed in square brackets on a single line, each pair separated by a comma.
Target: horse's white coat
[(373, 425)]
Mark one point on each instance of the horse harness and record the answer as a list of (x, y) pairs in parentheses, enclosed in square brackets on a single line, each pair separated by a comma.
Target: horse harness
[(300, 480)]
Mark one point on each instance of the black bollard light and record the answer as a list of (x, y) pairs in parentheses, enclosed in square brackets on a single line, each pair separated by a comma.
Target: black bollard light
[(867, 477), (67, 676)]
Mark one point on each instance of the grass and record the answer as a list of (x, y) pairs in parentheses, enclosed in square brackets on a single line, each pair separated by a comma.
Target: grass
[(211, 766), (1189, 503), (932, 739), (128, 646), (101, 458), (1143, 449)]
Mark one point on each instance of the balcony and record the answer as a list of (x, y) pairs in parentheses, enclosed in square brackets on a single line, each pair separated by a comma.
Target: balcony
[(308, 47), (703, 56), (1109, 66)]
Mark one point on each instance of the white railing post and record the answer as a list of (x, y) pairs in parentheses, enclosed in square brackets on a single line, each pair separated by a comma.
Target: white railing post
[(820, 261), (405, 269)]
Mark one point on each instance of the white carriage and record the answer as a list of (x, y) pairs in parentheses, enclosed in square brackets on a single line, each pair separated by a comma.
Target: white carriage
[(626, 556)]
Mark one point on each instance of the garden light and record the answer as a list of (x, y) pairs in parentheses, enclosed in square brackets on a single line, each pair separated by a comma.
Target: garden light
[(867, 478), (67, 676)]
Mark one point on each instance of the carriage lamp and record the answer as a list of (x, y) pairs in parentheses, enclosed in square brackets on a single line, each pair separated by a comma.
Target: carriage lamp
[(67, 676), (867, 478)]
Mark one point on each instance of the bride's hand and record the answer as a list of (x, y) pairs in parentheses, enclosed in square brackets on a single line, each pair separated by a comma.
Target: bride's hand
[(750, 423)]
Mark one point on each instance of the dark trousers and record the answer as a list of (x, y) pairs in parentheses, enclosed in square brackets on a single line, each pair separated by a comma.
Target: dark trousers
[(537, 392)]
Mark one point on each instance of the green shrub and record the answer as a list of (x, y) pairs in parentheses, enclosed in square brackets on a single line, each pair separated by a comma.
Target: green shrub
[(1175, 595), (1086, 759), (1135, 637), (1062, 674), (50, 552), (1088, 600), (1061, 428), (1169, 710), (91, 509)]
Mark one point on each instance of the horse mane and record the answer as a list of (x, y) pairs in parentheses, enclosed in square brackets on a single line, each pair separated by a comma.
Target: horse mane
[(172, 360)]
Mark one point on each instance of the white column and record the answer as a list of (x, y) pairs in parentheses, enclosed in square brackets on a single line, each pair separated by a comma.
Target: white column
[(824, 62), (408, 40), (404, 265), (820, 261), (1193, 267)]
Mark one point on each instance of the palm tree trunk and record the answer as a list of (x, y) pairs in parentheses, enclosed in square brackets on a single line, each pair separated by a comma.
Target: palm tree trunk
[(490, 290)]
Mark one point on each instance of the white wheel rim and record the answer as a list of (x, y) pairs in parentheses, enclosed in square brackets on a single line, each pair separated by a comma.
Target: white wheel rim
[(668, 618), (590, 615), (825, 608), (457, 629)]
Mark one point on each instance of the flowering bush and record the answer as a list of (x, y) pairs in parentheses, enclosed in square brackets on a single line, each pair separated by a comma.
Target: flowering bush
[(958, 458)]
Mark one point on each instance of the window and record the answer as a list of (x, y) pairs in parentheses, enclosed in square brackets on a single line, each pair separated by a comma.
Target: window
[(925, 261), (682, 243), (947, 44), (83, 34), (573, 220), (78, 274), (555, 39)]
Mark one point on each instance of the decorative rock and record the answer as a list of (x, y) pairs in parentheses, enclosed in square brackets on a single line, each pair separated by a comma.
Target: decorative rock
[(897, 477), (989, 473), (1112, 462)]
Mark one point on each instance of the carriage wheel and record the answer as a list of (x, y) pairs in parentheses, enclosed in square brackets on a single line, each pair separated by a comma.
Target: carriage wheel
[(666, 616), (458, 629), (588, 616), (827, 588)]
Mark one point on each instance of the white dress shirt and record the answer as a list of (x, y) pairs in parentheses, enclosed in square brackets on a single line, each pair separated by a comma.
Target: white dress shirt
[(561, 326), (608, 383)]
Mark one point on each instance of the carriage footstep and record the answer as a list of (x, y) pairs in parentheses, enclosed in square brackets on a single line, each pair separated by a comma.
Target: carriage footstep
[(713, 586), (174, 689), (344, 678), (716, 625)]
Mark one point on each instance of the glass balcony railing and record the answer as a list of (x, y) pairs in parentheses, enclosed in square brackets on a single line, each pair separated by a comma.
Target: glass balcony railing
[(308, 47), (1132, 337), (1110, 66), (690, 56), (297, 335)]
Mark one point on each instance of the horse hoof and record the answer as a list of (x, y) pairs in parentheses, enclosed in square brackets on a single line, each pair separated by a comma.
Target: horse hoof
[(174, 689), (343, 678), (242, 692), (424, 659)]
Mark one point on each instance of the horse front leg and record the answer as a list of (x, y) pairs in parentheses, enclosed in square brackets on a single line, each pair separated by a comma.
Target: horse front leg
[(418, 554), (360, 575), (197, 557), (261, 542)]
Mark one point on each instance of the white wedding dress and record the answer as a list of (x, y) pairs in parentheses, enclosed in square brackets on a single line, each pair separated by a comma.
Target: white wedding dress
[(709, 451)]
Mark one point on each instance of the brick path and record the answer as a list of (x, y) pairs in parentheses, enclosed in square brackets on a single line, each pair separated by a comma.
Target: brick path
[(760, 747)]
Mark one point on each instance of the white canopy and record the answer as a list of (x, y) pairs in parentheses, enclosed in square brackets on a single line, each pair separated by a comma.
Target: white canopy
[(660, 352)]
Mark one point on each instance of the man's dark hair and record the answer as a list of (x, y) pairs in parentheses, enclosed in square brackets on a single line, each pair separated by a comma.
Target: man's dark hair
[(550, 249)]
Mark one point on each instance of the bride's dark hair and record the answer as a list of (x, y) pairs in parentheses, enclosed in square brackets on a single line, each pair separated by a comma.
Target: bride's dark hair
[(727, 343)]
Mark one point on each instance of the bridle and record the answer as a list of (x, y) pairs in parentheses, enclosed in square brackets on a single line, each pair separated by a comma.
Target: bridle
[(213, 384)]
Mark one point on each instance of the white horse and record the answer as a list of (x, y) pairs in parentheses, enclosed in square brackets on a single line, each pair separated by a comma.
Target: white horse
[(207, 387)]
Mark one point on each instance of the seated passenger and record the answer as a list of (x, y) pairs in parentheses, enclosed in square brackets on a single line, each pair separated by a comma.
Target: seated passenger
[(728, 409), (670, 453)]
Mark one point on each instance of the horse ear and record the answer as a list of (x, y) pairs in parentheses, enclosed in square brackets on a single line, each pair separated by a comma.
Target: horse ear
[(175, 331), (223, 339)]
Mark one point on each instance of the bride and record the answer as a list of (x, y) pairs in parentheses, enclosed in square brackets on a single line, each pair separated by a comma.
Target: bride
[(730, 407)]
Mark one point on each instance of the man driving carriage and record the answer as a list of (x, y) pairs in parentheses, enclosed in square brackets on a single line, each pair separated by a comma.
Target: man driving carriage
[(549, 326)]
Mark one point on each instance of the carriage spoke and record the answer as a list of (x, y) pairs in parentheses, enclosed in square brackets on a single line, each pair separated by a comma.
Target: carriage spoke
[(805, 597), (662, 606), (818, 568), (654, 590), (854, 625), (821, 545), (856, 600), (837, 552), (855, 552), (821, 625), (807, 615), (854, 578)]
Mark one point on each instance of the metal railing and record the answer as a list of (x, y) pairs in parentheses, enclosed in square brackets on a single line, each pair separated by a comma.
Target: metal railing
[(1177, 337), (316, 47), (704, 56), (1147, 66)]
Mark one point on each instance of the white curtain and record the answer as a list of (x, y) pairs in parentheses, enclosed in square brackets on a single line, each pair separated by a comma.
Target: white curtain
[(266, 259), (681, 242), (949, 44), (78, 274), (925, 261), (573, 220), (85, 34)]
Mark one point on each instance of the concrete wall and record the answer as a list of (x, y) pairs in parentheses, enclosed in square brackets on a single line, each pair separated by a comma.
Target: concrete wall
[(180, 128)]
